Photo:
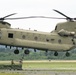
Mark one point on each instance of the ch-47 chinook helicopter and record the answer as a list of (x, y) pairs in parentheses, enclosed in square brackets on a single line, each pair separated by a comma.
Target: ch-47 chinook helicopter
[(63, 38)]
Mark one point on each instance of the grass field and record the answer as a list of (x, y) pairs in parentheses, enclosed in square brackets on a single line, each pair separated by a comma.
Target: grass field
[(56, 65), (46, 64), (9, 74), (49, 64)]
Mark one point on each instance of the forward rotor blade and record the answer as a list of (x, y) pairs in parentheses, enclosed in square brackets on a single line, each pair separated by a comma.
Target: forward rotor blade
[(33, 17), (74, 18), (9, 15), (21, 18)]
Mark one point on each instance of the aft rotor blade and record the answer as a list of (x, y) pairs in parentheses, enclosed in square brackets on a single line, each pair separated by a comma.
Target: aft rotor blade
[(68, 18), (60, 13), (51, 17)]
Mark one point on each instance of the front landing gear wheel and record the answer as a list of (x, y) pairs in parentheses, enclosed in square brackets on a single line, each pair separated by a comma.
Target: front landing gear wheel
[(56, 53), (67, 54), (16, 51)]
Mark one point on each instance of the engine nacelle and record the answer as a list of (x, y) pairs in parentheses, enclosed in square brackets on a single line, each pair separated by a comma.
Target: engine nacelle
[(63, 32)]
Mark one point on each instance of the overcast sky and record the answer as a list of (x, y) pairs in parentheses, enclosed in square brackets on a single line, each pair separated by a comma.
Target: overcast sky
[(25, 8)]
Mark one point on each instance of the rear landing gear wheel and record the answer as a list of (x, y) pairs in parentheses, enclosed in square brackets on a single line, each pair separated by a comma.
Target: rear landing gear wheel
[(27, 51), (67, 54), (56, 53)]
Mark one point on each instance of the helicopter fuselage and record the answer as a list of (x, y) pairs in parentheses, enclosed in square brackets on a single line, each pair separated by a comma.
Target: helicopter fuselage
[(35, 39), (63, 38)]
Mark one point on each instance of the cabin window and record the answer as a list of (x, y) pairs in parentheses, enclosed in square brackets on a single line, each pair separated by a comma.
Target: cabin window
[(59, 41), (52, 39), (23, 36), (36, 38), (47, 40), (10, 35)]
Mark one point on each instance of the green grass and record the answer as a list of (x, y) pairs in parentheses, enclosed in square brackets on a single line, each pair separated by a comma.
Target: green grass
[(46, 64), (9, 74), (50, 65), (61, 65)]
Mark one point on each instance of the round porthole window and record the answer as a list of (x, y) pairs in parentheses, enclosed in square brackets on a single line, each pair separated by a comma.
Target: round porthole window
[(23, 36), (59, 40), (36, 38), (47, 40)]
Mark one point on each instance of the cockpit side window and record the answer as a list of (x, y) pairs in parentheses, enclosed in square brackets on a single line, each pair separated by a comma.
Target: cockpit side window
[(10, 35), (0, 34), (56, 28)]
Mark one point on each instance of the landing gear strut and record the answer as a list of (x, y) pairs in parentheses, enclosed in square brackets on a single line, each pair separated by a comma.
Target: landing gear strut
[(56, 53)]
